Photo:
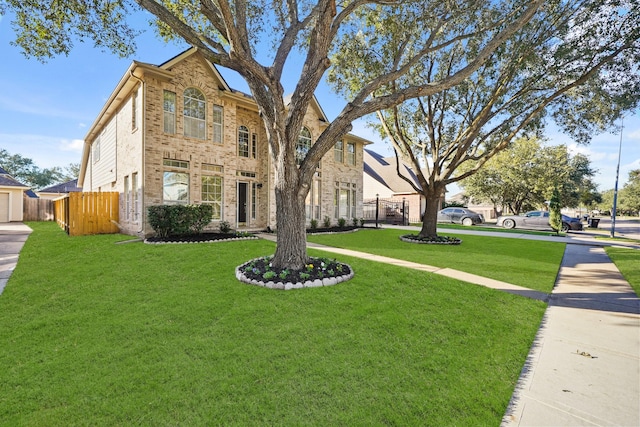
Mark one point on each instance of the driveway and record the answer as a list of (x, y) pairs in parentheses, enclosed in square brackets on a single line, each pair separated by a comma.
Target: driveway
[(12, 238)]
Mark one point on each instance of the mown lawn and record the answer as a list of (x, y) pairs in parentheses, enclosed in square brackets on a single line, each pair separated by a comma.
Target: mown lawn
[(628, 262), (98, 333), (529, 263)]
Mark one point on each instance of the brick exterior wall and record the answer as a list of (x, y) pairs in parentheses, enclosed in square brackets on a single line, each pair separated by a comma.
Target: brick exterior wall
[(143, 150)]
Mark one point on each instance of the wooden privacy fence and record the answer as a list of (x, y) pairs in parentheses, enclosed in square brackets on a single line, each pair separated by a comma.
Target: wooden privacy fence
[(80, 214), (37, 209)]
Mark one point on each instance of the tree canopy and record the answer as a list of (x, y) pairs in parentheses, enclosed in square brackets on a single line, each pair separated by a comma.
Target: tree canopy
[(234, 34), (575, 62), (526, 175), (26, 171)]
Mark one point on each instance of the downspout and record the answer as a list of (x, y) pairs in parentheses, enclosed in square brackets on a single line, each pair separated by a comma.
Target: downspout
[(143, 122)]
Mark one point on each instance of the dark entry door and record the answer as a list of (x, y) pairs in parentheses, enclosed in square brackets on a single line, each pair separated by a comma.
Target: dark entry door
[(242, 202)]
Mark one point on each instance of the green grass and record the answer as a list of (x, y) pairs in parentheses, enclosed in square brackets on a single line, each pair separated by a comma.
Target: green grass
[(627, 261), (94, 333), (495, 229), (528, 263)]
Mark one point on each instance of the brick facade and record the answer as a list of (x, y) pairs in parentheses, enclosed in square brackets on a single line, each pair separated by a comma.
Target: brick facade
[(135, 151)]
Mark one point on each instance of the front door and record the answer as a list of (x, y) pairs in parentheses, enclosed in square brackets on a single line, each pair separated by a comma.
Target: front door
[(243, 199)]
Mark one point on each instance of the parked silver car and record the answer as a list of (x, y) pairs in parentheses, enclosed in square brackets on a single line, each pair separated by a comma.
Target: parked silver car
[(537, 220), (462, 216)]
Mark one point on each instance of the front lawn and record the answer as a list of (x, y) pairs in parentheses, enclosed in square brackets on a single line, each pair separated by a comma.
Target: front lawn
[(529, 263), (98, 333), (627, 261)]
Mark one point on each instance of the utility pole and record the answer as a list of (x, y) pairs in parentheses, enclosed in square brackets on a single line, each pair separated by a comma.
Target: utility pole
[(615, 189)]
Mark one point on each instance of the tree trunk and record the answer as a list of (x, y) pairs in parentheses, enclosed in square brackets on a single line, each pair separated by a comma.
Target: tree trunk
[(430, 218), (291, 249)]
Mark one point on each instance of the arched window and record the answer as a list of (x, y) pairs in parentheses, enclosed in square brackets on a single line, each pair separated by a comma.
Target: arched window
[(243, 141), (195, 113), (304, 145)]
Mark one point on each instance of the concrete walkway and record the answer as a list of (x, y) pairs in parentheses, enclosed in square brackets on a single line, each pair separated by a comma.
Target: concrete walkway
[(12, 238), (584, 366)]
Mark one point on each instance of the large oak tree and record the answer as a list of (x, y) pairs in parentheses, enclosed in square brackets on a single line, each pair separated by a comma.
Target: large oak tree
[(234, 34), (575, 62)]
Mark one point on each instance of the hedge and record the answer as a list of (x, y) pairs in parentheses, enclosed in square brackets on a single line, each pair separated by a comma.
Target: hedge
[(177, 220)]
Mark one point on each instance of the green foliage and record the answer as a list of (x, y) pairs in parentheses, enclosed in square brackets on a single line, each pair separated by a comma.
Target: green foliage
[(342, 222), (524, 176), (326, 222), (555, 217), (25, 170), (631, 193), (362, 222), (313, 224), (176, 220), (225, 227)]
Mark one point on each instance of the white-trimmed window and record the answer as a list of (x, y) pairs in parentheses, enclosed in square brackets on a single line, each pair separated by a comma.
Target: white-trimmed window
[(254, 200), (127, 206), (254, 145), (312, 202), (96, 151), (175, 183), (304, 145), (218, 117), (338, 151), (195, 113), (135, 118), (344, 200), (243, 141), (211, 190), (135, 196), (351, 153), (169, 108)]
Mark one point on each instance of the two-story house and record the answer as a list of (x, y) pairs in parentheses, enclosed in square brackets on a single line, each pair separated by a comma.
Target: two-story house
[(177, 133)]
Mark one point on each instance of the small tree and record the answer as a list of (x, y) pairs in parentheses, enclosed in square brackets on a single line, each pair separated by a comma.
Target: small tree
[(555, 217)]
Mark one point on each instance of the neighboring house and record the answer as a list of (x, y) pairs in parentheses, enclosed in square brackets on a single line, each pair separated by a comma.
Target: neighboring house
[(11, 197), (486, 209), (177, 133), (380, 179), (55, 191)]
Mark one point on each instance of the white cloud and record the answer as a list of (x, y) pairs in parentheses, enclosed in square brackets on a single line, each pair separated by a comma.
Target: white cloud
[(46, 151), (71, 145)]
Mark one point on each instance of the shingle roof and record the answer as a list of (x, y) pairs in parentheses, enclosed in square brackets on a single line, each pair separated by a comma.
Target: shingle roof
[(7, 180), (383, 170), (65, 187)]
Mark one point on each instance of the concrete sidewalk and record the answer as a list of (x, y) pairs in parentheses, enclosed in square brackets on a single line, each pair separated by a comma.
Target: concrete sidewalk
[(12, 238), (584, 367)]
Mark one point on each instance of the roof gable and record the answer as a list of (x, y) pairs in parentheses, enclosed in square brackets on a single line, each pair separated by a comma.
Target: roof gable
[(63, 187), (383, 170), (7, 180), (168, 65)]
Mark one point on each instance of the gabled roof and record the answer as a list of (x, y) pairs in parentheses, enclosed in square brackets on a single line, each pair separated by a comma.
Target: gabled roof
[(383, 170), (7, 180), (30, 194), (64, 187)]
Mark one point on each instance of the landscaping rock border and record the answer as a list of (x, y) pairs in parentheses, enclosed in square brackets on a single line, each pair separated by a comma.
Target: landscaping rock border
[(286, 286), (412, 238), (189, 242)]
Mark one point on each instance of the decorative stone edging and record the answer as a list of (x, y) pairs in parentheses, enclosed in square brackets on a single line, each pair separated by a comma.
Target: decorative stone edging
[(202, 241), (311, 233), (426, 242), (286, 286)]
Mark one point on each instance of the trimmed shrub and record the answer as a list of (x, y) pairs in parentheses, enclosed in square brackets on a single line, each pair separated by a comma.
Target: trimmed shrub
[(177, 220)]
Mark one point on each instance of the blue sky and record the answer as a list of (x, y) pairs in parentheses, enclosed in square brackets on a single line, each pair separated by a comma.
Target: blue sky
[(46, 109)]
